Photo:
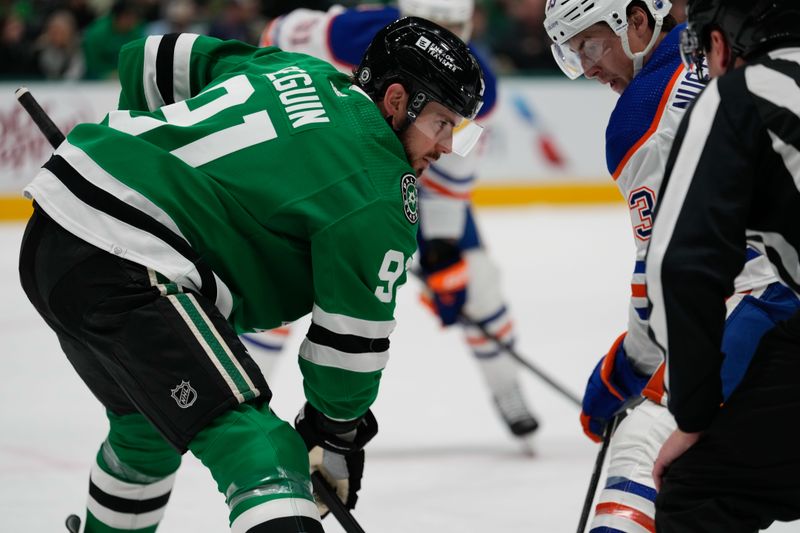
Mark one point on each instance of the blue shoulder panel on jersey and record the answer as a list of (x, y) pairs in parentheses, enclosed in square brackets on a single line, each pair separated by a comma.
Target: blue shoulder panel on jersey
[(351, 31), (489, 84), (638, 104)]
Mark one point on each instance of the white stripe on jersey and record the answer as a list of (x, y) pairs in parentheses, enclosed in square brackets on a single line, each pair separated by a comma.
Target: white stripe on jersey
[(181, 81), (354, 362), (617, 523), (130, 491), (149, 80), (774, 87), (345, 325), (790, 156), (112, 235), (700, 122), (119, 520), (787, 252), (273, 509)]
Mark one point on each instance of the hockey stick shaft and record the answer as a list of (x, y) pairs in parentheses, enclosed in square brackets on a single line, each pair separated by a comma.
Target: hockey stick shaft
[(331, 499), (611, 427), (506, 347), (39, 117)]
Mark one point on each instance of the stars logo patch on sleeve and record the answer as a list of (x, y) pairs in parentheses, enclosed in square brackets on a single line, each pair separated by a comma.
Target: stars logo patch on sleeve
[(408, 185)]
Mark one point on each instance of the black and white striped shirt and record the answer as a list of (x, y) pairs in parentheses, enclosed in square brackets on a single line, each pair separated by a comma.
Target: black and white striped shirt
[(733, 177)]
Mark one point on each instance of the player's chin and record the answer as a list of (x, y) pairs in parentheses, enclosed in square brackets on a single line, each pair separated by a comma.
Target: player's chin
[(421, 166)]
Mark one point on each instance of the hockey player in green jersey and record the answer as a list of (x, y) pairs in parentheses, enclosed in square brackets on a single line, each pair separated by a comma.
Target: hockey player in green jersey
[(236, 189)]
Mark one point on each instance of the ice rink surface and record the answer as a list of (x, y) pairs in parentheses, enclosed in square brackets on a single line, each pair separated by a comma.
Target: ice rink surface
[(442, 461)]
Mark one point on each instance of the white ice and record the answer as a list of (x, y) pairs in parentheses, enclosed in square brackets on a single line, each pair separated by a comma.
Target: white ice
[(441, 462)]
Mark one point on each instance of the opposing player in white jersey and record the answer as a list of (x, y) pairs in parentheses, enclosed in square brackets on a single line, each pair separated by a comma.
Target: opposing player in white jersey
[(633, 47), (459, 273)]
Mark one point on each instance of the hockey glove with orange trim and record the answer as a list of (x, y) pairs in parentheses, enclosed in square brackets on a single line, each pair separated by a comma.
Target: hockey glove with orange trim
[(612, 383), (336, 450), (446, 277)]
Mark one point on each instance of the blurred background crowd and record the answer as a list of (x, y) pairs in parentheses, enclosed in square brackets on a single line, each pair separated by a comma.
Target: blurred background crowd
[(80, 39)]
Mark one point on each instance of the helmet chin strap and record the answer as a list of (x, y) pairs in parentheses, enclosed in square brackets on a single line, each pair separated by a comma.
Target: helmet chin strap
[(638, 57)]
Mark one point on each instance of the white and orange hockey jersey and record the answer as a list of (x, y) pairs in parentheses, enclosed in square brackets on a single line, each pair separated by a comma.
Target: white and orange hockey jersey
[(638, 141)]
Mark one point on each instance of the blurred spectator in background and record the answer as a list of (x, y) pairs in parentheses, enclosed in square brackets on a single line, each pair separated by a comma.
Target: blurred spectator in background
[(236, 21), (58, 49), (105, 37), (16, 54), (81, 11), (514, 33), (179, 16)]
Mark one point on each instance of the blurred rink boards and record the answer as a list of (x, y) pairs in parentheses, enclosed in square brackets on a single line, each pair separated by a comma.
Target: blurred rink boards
[(543, 142)]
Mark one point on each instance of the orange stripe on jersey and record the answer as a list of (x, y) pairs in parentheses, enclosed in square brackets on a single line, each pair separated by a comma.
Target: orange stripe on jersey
[(624, 511), (654, 390), (427, 182), (662, 105), (483, 339), (638, 290), (283, 330)]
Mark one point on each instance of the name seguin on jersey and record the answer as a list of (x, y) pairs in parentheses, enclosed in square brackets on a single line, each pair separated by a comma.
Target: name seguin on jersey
[(298, 95)]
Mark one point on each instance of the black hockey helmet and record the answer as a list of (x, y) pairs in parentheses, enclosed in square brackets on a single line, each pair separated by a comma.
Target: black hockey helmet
[(750, 27), (431, 63)]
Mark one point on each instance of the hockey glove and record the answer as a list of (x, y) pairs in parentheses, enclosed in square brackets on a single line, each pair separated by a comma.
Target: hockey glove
[(612, 383), (336, 450), (446, 277)]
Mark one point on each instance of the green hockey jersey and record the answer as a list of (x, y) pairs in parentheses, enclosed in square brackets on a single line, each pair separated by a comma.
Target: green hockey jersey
[(260, 178)]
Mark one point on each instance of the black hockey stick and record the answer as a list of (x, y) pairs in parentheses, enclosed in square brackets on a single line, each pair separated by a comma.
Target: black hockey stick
[(611, 427), (331, 499), (521, 360), (40, 117), (506, 347)]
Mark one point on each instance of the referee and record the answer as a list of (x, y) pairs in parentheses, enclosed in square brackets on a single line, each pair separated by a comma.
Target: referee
[(733, 177)]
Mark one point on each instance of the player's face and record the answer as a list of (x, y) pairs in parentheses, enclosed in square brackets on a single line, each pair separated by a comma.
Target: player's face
[(602, 57), (429, 136)]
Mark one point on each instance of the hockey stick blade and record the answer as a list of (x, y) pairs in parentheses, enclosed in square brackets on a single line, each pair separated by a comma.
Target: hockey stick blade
[(73, 523), (331, 499), (39, 117)]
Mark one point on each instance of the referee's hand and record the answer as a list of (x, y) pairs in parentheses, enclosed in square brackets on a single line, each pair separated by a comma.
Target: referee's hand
[(673, 447)]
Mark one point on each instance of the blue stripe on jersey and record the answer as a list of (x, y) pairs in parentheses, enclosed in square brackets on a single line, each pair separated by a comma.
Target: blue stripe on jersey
[(751, 254), (637, 106), (628, 485), (638, 268), (606, 529), (352, 30), (262, 344), (435, 169), (492, 317), (643, 312)]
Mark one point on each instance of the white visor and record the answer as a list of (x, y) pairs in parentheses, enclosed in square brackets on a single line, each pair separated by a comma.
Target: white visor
[(567, 60), (456, 133)]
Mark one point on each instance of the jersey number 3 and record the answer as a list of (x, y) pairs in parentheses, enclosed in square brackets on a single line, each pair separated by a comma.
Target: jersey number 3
[(642, 201)]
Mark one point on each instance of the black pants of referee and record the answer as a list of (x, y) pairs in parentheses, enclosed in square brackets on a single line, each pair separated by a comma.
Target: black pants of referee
[(744, 472)]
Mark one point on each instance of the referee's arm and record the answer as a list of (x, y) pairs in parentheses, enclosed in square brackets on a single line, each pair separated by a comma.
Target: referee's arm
[(697, 246)]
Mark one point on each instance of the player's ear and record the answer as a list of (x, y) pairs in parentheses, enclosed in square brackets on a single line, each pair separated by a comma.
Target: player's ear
[(395, 100), (720, 53), (638, 20)]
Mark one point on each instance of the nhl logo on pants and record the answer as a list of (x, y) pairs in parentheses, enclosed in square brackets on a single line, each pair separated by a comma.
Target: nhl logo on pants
[(184, 394)]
